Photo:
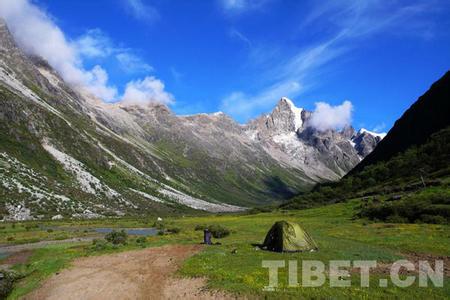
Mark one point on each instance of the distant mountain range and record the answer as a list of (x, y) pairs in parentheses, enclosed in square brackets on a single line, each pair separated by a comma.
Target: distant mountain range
[(65, 153)]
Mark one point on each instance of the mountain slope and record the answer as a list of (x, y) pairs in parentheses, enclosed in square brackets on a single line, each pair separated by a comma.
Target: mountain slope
[(65, 153), (429, 114), (408, 183)]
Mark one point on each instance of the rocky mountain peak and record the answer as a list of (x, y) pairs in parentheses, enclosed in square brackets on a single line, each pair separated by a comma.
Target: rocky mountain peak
[(7, 43), (365, 141), (285, 118)]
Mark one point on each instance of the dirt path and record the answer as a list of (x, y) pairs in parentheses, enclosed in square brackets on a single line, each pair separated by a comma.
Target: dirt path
[(141, 274)]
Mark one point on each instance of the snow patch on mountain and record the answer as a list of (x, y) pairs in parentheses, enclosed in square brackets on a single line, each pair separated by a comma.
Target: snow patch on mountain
[(297, 113), (380, 135)]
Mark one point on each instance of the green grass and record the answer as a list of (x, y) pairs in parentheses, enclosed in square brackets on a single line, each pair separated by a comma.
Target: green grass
[(337, 235), (338, 238)]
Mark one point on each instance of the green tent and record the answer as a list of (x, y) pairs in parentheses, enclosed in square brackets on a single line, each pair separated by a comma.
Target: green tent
[(287, 236)]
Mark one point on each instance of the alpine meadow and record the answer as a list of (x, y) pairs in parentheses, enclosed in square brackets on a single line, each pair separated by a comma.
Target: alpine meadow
[(224, 149)]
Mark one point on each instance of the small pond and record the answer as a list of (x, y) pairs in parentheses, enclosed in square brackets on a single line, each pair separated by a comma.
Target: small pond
[(130, 231)]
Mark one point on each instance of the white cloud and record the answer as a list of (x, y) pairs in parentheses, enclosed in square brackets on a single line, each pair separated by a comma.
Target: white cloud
[(234, 4), (239, 6), (36, 33), (141, 11), (148, 90), (131, 63), (379, 127), (94, 44), (236, 34), (97, 80), (327, 117)]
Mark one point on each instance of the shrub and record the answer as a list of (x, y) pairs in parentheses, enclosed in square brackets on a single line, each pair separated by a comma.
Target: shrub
[(396, 219), (159, 225), (218, 231), (433, 219), (117, 237), (174, 230), (141, 240), (10, 238), (7, 282), (98, 244), (49, 230), (200, 227)]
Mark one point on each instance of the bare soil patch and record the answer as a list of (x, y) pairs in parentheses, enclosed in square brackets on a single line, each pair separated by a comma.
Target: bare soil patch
[(384, 268), (140, 274)]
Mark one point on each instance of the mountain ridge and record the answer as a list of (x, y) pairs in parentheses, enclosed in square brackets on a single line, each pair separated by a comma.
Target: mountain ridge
[(60, 142)]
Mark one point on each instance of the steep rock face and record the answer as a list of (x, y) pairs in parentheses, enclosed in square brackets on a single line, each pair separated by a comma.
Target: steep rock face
[(323, 155), (365, 141), (64, 152)]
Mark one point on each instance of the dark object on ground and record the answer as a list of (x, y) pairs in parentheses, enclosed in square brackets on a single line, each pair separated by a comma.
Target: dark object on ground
[(117, 237), (173, 230), (206, 237), (395, 197), (141, 240), (287, 236)]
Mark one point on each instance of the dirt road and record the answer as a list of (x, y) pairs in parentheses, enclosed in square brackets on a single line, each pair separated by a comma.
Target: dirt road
[(141, 274)]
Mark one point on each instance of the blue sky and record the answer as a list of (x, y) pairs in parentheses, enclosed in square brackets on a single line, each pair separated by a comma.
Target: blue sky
[(242, 56)]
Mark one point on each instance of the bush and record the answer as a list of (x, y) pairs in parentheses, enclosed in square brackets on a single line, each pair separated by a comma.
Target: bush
[(141, 240), (49, 230), (218, 231), (10, 238), (7, 282), (433, 219), (200, 227), (174, 230), (117, 237), (98, 244), (396, 219), (159, 225)]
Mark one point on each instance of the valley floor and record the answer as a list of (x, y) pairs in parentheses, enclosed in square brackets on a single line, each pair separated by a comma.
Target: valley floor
[(235, 266)]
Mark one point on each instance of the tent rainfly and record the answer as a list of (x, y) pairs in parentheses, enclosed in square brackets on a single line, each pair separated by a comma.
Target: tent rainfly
[(285, 236)]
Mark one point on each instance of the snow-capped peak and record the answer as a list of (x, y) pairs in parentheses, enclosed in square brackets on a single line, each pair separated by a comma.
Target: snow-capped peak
[(296, 111), (380, 135)]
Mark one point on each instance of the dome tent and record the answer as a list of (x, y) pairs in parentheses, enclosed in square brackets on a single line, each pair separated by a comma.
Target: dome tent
[(285, 236)]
